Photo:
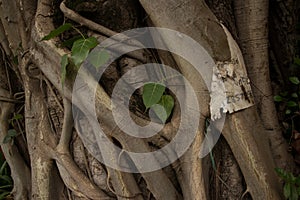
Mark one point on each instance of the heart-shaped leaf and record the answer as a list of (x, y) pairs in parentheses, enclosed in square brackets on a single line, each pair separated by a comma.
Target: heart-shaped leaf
[(160, 112), (81, 48), (152, 93), (98, 57), (164, 107)]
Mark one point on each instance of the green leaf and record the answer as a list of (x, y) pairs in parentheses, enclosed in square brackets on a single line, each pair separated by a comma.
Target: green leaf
[(5, 187), (17, 116), (6, 178), (160, 112), (57, 31), (283, 174), (69, 43), (10, 134), (81, 48), (288, 111), (297, 180), (164, 107), (294, 193), (98, 58), (292, 178), (3, 167), (294, 80), (287, 190), (291, 104), (295, 95), (297, 61), (298, 190), (64, 62), (278, 98), (152, 93), (3, 195)]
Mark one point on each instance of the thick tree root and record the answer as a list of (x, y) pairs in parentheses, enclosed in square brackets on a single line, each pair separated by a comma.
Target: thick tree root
[(50, 153)]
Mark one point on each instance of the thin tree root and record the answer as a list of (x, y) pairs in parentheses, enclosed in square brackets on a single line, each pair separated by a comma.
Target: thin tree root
[(121, 183)]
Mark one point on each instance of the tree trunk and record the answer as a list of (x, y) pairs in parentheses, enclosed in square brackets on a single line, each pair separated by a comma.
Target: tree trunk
[(53, 158)]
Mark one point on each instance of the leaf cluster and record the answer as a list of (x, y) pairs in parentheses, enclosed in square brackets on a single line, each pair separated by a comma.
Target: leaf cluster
[(290, 99), (12, 133), (80, 51), (291, 189), (154, 98), (6, 182)]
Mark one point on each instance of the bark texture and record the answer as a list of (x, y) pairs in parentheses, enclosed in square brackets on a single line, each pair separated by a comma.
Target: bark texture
[(51, 160)]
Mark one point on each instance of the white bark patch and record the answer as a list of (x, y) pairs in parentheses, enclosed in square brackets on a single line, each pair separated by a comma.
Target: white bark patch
[(230, 87)]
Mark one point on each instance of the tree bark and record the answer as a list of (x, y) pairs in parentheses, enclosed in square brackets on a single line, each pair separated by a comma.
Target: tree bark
[(60, 168), (252, 25)]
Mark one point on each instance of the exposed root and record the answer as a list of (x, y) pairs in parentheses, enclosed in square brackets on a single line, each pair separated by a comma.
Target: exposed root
[(71, 174), (44, 148), (125, 187), (67, 130), (76, 181), (252, 20), (20, 171)]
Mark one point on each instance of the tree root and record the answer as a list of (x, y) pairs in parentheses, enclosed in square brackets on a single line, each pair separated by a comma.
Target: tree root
[(70, 173), (125, 187), (20, 171), (253, 38), (192, 174), (261, 178)]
